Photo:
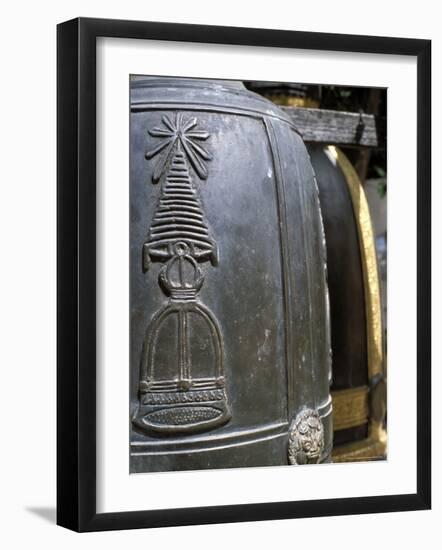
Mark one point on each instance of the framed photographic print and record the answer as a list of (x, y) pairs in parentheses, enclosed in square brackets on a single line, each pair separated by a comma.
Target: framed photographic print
[(222, 274)]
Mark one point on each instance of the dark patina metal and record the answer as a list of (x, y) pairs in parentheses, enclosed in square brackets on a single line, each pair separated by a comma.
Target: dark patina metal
[(358, 389), (230, 351)]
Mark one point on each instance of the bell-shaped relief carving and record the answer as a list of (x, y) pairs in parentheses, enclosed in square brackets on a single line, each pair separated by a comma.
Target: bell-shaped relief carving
[(182, 382)]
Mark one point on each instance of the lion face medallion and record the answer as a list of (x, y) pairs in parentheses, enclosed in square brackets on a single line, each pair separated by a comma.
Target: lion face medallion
[(306, 438)]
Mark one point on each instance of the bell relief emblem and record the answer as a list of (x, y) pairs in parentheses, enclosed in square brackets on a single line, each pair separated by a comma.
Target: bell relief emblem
[(182, 385)]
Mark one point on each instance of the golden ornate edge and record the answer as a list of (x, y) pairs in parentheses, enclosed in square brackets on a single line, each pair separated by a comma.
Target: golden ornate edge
[(292, 101), (369, 263), (372, 448), (376, 443), (350, 407)]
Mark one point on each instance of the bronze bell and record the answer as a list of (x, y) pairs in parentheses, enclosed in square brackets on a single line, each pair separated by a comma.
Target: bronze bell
[(230, 342)]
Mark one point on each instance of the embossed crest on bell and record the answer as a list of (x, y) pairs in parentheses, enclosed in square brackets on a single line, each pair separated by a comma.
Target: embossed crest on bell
[(195, 398)]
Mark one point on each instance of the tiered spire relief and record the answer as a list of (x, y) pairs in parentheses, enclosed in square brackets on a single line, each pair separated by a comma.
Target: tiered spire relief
[(179, 237)]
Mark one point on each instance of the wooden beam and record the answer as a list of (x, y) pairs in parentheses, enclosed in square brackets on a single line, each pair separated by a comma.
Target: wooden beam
[(339, 127)]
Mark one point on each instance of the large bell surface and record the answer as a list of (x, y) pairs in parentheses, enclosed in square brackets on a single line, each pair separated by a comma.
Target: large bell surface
[(230, 348)]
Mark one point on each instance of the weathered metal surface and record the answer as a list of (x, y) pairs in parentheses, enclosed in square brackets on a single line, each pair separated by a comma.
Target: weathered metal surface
[(344, 270), (229, 311)]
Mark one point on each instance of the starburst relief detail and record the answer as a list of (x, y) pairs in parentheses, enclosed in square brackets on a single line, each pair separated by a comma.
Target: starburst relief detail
[(180, 134)]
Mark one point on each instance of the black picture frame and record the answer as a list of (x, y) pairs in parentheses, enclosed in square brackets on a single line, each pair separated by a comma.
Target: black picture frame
[(76, 273)]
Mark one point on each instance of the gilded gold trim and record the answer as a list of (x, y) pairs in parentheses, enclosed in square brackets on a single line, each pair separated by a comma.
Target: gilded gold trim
[(350, 407), (293, 101), (375, 446), (369, 263)]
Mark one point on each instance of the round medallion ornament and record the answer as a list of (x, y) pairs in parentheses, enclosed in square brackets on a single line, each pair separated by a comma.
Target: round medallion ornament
[(306, 438)]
